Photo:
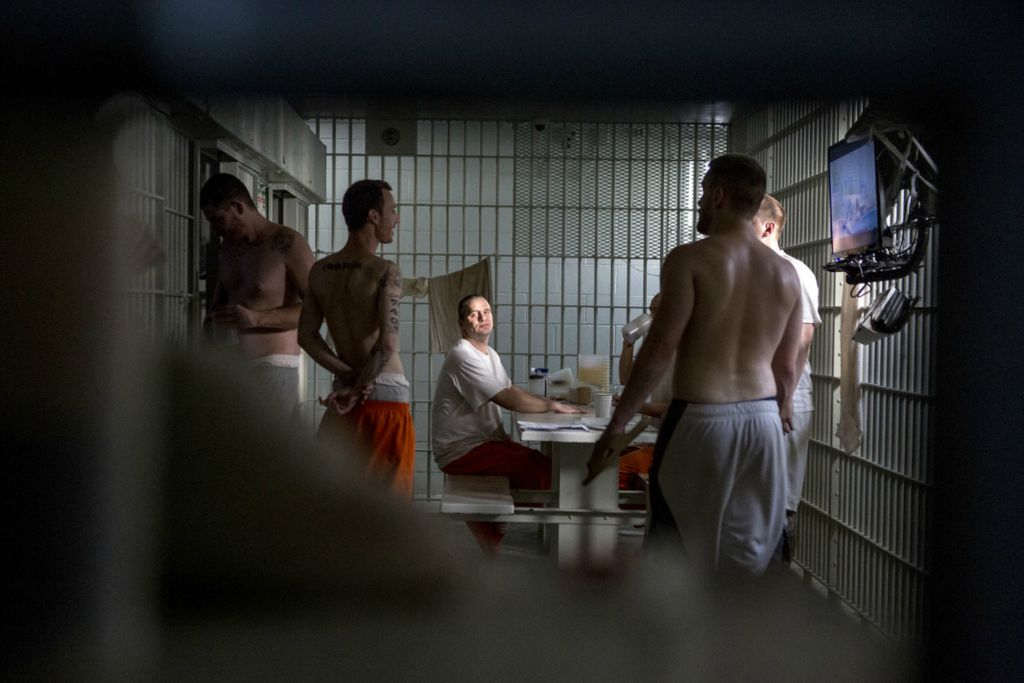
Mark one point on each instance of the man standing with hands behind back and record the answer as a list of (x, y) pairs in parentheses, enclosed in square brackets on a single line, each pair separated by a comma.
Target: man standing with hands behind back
[(730, 310), (357, 292), (263, 273)]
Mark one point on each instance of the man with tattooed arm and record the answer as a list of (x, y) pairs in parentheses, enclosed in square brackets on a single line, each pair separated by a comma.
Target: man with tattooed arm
[(357, 293), (262, 276)]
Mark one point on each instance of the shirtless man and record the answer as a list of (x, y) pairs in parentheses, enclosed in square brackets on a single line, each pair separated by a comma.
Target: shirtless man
[(357, 292), (263, 271), (730, 310)]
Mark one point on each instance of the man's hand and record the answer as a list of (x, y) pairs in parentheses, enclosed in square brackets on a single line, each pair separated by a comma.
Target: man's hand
[(787, 423), (609, 447), (233, 315), (559, 407), (786, 413), (343, 401)]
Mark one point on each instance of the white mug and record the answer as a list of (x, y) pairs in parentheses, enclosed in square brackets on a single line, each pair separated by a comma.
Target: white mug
[(602, 404)]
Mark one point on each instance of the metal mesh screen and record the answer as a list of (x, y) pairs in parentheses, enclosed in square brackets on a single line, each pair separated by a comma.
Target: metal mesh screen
[(575, 219)]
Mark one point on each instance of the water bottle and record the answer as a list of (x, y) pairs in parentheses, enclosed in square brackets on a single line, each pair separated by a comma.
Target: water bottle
[(636, 328)]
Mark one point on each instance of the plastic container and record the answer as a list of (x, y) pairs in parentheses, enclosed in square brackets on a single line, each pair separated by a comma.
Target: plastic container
[(538, 381), (637, 327), (595, 370)]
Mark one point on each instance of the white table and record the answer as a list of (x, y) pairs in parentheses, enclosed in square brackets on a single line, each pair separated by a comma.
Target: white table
[(586, 519)]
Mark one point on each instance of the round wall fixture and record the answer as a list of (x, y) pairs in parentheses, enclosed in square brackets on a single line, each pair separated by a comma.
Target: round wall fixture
[(390, 136)]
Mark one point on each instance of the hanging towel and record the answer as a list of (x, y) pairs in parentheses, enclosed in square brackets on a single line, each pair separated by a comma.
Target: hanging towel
[(849, 430), (445, 291)]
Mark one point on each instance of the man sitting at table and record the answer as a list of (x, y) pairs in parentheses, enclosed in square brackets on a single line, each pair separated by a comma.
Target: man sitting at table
[(466, 418)]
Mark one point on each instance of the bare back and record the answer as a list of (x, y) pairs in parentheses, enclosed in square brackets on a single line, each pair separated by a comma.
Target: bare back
[(353, 290), (737, 301)]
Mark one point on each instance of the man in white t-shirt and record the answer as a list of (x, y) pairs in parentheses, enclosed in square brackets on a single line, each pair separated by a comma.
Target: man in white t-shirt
[(468, 436), (769, 221)]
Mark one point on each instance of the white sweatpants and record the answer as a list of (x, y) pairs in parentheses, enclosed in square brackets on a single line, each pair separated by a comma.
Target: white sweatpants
[(724, 478)]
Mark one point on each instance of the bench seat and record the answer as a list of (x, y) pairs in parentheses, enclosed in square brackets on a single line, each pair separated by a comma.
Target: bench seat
[(475, 494)]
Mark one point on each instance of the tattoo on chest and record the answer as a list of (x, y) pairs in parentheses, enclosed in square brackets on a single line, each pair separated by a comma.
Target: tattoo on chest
[(344, 265), (282, 241)]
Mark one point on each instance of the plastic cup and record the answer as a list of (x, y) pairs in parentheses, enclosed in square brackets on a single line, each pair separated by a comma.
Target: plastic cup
[(602, 404), (636, 328)]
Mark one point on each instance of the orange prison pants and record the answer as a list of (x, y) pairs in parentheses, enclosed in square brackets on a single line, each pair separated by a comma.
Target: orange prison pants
[(526, 468), (385, 430), (635, 460)]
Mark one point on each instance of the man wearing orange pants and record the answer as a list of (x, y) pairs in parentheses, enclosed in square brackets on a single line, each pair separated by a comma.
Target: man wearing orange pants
[(357, 293)]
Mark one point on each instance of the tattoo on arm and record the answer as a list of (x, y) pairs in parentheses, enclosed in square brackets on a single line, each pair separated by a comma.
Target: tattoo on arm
[(391, 287)]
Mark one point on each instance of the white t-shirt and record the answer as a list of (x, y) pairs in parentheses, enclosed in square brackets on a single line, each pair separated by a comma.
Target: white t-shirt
[(462, 415), (802, 401)]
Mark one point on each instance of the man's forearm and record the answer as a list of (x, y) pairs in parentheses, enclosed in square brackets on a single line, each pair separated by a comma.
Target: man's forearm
[(322, 354), (280, 318), (625, 362), (373, 366), (646, 372), (515, 398), (786, 376)]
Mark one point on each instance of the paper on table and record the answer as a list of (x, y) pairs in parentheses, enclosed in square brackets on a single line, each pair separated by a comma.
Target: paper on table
[(549, 426)]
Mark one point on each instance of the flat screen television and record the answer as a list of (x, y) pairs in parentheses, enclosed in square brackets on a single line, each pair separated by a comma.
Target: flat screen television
[(855, 203)]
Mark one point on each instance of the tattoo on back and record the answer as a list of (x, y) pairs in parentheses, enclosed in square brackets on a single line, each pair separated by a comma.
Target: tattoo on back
[(282, 241), (345, 265)]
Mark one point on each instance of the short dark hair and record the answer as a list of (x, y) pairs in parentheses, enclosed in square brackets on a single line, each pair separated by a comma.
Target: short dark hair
[(464, 305), (222, 188), (742, 179), (360, 198)]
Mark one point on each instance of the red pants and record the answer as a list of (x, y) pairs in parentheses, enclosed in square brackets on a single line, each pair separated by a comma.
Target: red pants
[(385, 430), (525, 468)]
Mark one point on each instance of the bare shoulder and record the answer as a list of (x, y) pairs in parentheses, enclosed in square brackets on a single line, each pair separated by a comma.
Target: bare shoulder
[(692, 257), (319, 265), (787, 272), (390, 275), (684, 254), (284, 239)]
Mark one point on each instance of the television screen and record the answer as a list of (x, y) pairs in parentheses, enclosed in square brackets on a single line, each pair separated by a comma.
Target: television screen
[(853, 197)]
